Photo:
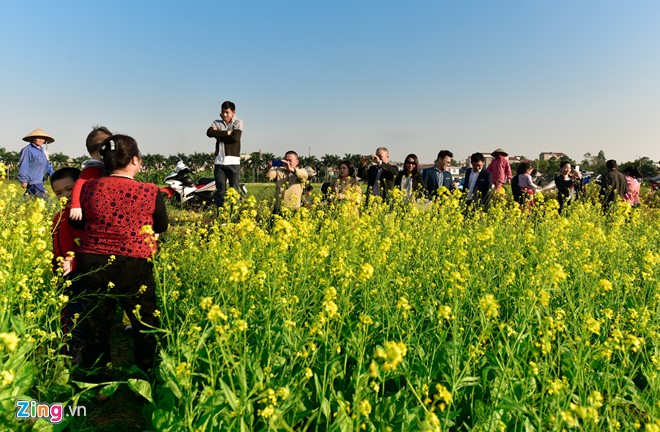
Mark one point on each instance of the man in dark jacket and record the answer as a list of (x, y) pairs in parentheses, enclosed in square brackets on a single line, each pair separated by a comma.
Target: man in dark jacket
[(380, 175), (227, 133), (613, 185), (478, 182), (438, 176)]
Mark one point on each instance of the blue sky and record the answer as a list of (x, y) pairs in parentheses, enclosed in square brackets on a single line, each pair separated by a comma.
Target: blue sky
[(338, 77)]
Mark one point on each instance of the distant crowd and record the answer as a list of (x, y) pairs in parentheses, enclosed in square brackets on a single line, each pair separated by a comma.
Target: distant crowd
[(479, 184)]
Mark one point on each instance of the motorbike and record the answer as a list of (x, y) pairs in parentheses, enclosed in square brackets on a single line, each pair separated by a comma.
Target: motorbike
[(182, 188)]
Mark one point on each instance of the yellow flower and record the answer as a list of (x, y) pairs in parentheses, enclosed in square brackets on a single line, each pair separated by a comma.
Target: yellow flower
[(365, 407), (373, 369), (403, 304), (10, 340), (443, 396), (7, 378), (216, 313), (239, 271), (183, 369), (431, 422), (366, 272), (366, 319), (206, 303), (635, 342), (308, 373), (393, 353), (489, 306), (595, 399), (605, 285), (444, 312), (147, 229), (556, 386), (557, 273), (592, 324), (266, 412), (241, 325), (283, 393), (534, 367)]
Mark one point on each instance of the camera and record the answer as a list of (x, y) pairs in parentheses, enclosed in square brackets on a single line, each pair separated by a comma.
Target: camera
[(277, 163)]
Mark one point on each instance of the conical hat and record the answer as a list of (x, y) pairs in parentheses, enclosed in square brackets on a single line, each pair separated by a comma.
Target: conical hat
[(38, 133), (500, 150)]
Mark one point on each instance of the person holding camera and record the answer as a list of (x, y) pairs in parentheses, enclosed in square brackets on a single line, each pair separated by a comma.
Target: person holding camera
[(227, 133), (289, 181), (380, 174), (569, 185)]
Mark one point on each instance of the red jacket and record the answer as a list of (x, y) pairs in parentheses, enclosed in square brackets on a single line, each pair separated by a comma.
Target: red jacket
[(65, 237)]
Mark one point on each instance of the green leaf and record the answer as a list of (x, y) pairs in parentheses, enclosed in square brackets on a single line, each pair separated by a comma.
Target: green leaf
[(42, 425), (230, 396), (141, 387), (165, 421), (18, 324), (170, 384), (110, 388)]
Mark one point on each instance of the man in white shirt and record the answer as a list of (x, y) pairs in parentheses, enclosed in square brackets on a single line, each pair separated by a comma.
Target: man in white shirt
[(478, 182), (227, 133)]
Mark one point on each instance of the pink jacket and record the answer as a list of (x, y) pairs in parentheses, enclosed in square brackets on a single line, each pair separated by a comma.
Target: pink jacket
[(500, 169), (632, 196)]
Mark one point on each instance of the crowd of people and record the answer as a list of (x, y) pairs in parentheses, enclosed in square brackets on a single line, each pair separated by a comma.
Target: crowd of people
[(479, 183), (105, 235)]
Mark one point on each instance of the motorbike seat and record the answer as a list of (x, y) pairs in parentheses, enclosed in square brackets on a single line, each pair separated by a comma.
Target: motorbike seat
[(205, 180)]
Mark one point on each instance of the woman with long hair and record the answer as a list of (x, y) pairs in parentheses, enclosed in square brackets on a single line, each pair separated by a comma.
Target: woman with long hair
[(569, 185), (346, 185), (409, 179)]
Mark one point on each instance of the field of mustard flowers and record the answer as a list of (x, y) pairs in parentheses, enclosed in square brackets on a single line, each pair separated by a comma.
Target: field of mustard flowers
[(399, 317)]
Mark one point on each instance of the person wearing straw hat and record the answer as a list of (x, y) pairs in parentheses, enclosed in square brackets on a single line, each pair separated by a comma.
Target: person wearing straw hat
[(500, 169), (33, 163)]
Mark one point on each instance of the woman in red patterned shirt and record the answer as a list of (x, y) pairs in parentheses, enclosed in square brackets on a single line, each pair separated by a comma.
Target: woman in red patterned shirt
[(120, 217)]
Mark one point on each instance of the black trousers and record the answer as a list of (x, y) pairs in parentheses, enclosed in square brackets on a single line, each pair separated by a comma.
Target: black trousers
[(221, 174), (129, 282)]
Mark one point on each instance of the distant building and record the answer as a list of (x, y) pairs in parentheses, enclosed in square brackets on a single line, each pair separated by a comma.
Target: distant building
[(545, 156)]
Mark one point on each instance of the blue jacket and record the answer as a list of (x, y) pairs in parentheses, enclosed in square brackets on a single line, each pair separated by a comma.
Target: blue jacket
[(431, 181), (33, 165)]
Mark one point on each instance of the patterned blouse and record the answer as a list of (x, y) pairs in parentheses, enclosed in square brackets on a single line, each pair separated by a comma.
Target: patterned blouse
[(116, 210)]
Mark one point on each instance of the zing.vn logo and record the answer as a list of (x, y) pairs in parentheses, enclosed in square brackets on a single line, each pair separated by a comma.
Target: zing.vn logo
[(54, 413)]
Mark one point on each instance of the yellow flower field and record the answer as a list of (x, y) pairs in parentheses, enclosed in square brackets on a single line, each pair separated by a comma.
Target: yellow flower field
[(394, 317)]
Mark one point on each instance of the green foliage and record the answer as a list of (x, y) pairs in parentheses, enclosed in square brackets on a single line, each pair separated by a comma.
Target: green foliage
[(646, 166)]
